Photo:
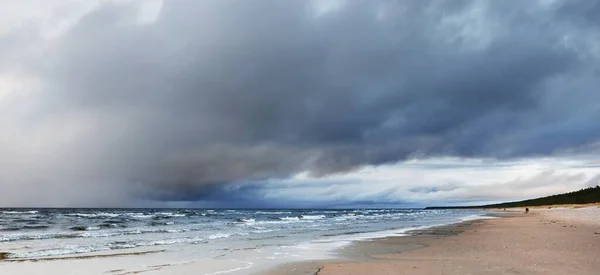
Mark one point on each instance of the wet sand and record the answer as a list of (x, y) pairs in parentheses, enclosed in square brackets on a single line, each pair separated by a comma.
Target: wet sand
[(545, 241)]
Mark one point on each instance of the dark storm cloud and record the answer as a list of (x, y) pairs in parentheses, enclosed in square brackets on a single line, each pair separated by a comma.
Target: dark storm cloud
[(216, 92), (581, 11)]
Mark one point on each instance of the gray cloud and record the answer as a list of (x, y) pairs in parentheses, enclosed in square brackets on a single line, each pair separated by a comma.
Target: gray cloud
[(219, 92), (352, 192)]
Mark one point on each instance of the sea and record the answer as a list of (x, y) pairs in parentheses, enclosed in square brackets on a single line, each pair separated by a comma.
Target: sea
[(239, 238)]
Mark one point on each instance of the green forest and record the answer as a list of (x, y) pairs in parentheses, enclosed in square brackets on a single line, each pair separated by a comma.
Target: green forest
[(587, 195)]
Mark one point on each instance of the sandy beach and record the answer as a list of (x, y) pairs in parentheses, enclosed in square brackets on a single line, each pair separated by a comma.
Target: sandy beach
[(561, 240)]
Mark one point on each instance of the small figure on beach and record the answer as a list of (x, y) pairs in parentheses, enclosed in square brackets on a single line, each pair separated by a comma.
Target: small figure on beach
[(526, 210)]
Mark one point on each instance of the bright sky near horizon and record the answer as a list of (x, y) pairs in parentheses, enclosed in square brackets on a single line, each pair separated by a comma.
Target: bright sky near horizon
[(309, 103)]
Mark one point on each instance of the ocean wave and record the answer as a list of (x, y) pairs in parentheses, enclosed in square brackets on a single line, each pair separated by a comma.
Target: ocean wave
[(262, 231), (87, 232), (10, 228), (273, 212), (189, 240), (197, 213), (181, 230), (29, 221), (93, 215), (19, 212), (110, 225), (312, 217), (219, 236), (116, 221), (289, 218), (162, 223), (36, 226), (139, 215), (350, 217), (68, 250), (99, 247), (373, 210), (28, 237), (169, 214), (84, 228), (323, 212)]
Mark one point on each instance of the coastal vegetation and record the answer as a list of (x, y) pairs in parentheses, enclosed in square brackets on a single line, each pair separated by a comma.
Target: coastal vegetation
[(583, 196)]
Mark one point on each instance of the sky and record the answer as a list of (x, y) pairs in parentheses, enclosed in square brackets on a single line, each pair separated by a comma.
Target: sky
[(306, 103)]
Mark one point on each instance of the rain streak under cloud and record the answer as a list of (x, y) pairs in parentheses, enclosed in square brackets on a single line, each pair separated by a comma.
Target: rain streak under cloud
[(252, 103)]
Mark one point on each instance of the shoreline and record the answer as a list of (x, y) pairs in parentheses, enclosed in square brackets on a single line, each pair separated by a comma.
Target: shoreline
[(368, 249), (183, 246), (559, 240), (209, 257)]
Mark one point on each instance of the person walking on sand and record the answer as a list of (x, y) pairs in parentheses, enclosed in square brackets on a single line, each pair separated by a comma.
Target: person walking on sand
[(526, 210)]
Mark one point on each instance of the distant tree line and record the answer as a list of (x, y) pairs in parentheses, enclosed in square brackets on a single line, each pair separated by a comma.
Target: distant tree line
[(587, 195)]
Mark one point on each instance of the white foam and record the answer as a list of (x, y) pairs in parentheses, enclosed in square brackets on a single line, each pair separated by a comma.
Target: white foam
[(171, 241), (139, 215), (312, 217), (219, 236), (289, 218), (323, 248), (169, 214), (475, 217), (93, 215), (273, 212), (20, 212), (247, 266), (65, 250)]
